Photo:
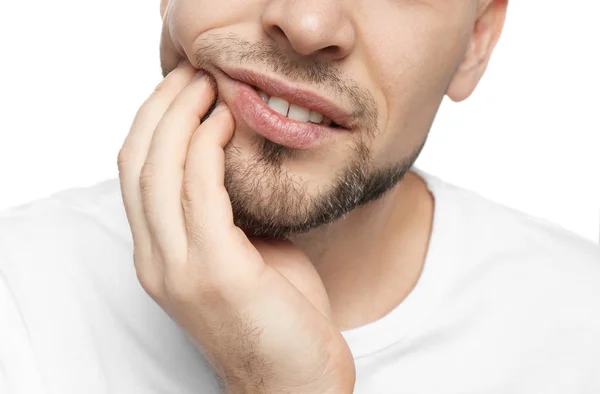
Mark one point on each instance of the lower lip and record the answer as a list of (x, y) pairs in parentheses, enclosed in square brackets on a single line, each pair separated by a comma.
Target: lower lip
[(276, 127)]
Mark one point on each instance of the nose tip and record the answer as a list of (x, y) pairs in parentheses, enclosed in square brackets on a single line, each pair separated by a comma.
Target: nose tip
[(316, 29)]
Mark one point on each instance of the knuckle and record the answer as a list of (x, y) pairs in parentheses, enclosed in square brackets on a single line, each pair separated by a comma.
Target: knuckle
[(150, 281), (196, 228), (147, 176), (176, 78), (151, 277), (160, 86), (197, 237), (123, 157), (188, 190)]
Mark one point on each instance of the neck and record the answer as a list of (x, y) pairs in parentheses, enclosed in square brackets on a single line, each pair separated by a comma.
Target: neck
[(370, 260)]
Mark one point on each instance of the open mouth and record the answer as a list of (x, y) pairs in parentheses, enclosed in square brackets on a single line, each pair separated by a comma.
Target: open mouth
[(287, 115), (294, 111)]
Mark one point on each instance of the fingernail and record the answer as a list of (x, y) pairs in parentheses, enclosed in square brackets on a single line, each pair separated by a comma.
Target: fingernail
[(219, 108)]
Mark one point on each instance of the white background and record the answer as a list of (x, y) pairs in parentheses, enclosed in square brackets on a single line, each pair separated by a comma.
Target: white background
[(74, 73)]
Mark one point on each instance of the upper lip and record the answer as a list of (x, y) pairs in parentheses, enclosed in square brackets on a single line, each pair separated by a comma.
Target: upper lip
[(293, 94)]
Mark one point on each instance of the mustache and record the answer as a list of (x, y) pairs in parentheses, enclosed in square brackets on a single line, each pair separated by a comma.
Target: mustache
[(215, 49)]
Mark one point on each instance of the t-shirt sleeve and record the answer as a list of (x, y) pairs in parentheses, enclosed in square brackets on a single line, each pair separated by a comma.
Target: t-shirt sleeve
[(18, 370)]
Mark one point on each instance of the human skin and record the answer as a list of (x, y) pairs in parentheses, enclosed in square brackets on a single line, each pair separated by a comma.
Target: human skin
[(267, 313)]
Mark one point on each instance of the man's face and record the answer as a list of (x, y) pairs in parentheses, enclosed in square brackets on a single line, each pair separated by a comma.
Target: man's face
[(379, 68)]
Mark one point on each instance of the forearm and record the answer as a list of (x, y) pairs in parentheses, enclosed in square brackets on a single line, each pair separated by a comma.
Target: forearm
[(263, 389), (264, 384)]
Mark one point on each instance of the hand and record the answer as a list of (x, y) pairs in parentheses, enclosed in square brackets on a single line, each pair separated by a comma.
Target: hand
[(258, 311)]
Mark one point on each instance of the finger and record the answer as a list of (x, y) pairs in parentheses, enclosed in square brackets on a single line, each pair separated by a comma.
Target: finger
[(135, 149), (208, 213), (166, 158)]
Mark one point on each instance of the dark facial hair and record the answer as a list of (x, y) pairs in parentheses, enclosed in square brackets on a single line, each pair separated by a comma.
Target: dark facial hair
[(291, 210), (267, 200)]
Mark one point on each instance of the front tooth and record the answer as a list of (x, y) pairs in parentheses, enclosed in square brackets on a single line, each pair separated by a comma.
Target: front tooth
[(263, 96), (298, 113), (279, 105), (315, 117)]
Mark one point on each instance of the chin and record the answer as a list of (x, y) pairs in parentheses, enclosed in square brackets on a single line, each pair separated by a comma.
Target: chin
[(271, 201)]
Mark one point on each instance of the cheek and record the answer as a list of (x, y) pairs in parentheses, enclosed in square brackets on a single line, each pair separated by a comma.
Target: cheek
[(414, 64), (417, 68), (187, 19)]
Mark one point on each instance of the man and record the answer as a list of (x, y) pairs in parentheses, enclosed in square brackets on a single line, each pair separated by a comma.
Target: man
[(269, 234)]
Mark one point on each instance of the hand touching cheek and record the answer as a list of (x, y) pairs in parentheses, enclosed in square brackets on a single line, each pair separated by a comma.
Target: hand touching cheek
[(257, 310)]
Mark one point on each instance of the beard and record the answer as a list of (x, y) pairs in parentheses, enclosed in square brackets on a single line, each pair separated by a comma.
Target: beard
[(269, 201)]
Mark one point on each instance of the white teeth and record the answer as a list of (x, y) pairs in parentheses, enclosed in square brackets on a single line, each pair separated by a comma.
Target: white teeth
[(298, 113), (263, 96), (279, 105), (315, 117), (293, 111)]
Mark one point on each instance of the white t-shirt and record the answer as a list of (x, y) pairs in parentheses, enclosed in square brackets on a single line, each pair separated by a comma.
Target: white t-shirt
[(506, 303)]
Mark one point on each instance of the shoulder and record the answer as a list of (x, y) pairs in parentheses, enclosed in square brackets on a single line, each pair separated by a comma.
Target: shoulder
[(68, 287), (532, 275), (63, 219), (528, 287), (501, 233), (492, 231), (64, 236), (513, 258)]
